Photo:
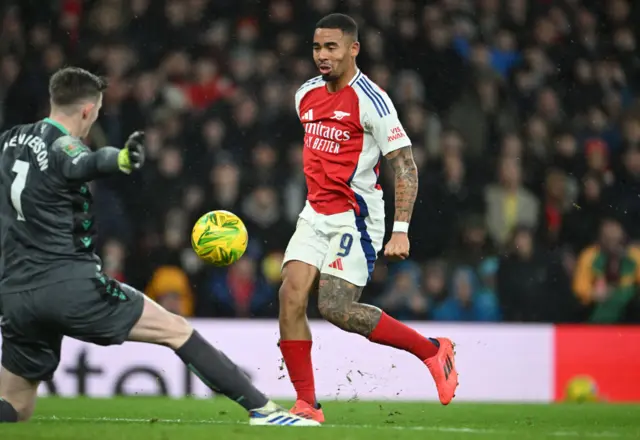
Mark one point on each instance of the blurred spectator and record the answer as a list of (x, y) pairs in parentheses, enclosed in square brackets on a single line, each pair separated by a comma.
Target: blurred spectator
[(271, 265), (169, 287), (608, 276), (508, 203), (581, 223), (624, 194), (474, 245), (566, 155), (483, 114), (467, 300), (488, 278), (240, 290), (522, 279), (113, 260), (295, 189), (443, 197), (225, 194), (546, 93), (403, 297), (598, 160), (262, 214), (502, 57), (434, 283), (631, 131), (557, 199)]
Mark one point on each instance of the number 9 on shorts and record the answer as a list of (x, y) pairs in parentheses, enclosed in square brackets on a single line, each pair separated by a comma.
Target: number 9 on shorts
[(346, 257)]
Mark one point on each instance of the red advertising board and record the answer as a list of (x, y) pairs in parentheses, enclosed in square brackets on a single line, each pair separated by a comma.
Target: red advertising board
[(610, 355)]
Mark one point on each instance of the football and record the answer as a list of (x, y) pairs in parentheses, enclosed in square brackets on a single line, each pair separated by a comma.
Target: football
[(219, 238), (582, 389)]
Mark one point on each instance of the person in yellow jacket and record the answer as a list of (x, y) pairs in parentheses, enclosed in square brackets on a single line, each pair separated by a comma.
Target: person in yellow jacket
[(607, 275), (170, 287)]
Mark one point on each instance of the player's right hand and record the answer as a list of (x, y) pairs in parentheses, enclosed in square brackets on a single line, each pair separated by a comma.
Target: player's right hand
[(397, 248), (131, 157)]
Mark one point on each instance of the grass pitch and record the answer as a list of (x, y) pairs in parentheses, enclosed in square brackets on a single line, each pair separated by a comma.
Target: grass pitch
[(165, 419)]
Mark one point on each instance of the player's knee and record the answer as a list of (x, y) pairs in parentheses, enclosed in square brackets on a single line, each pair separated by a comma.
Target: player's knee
[(331, 311), (293, 299), (177, 332), (334, 301)]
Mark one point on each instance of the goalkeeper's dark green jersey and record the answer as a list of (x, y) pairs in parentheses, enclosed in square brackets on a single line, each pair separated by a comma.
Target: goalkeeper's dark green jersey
[(47, 229)]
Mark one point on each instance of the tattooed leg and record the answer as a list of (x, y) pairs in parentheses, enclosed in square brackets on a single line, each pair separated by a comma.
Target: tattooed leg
[(338, 304)]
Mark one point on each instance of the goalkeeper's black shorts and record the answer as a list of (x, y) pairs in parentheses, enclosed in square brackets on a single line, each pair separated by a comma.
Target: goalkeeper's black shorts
[(97, 310)]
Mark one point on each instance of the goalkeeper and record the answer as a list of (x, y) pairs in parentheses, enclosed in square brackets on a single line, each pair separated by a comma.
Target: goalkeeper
[(51, 281)]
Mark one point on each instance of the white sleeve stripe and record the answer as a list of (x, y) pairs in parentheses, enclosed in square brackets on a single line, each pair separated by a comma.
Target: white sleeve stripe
[(375, 97), (356, 78), (377, 92)]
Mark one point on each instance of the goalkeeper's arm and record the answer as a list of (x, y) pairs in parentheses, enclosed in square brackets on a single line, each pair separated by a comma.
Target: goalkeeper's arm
[(88, 165), (78, 163)]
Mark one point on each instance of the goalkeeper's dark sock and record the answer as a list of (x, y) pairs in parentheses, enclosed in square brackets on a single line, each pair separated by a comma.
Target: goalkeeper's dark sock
[(8, 414), (219, 373)]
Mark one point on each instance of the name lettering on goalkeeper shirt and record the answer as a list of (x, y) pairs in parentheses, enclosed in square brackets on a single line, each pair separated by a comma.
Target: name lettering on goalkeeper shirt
[(35, 143)]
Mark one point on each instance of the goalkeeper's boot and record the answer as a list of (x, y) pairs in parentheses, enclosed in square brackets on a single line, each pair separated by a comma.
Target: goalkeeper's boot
[(304, 409), (443, 369), (274, 415)]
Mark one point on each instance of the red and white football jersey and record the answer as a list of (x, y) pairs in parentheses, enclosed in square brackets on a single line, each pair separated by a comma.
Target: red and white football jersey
[(346, 135)]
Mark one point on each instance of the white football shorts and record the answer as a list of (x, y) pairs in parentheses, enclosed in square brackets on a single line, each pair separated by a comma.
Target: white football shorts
[(342, 245)]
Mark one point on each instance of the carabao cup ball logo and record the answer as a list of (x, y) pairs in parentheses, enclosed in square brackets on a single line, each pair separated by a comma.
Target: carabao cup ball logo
[(219, 238)]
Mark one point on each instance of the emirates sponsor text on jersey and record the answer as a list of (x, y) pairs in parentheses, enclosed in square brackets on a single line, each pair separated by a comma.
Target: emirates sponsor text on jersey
[(324, 138)]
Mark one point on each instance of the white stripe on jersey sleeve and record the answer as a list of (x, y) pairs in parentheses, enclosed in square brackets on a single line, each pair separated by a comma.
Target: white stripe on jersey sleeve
[(305, 88), (379, 116)]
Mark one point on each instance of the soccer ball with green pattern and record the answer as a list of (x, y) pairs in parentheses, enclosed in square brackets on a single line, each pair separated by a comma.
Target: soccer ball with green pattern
[(582, 389), (219, 238)]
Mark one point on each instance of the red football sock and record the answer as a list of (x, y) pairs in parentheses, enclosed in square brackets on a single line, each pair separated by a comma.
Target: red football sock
[(395, 334), (297, 357)]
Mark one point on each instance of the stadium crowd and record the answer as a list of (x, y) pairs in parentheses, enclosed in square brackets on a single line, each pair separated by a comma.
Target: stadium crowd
[(523, 115)]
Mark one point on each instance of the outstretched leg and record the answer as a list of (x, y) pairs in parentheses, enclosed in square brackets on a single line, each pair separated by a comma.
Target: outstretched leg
[(158, 326), (212, 366), (338, 304)]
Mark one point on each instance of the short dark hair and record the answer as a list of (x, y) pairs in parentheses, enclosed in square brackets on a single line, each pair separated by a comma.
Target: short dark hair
[(70, 85), (339, 21)]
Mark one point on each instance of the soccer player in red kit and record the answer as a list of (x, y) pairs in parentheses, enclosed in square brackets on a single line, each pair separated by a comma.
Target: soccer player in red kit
[(349, 123)]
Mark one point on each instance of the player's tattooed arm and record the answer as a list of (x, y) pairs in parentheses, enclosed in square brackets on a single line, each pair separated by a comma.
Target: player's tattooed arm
[(406, 172), (338, 304)]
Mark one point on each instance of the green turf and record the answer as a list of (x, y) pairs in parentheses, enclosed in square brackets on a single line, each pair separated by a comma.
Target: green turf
[(165, 419)]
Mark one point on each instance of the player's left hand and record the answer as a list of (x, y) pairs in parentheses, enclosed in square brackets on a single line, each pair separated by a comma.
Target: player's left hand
[(397, 248), (131, 157), (135, 145)]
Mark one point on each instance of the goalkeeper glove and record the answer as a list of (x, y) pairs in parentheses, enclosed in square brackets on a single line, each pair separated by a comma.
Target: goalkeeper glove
[(131, 157)]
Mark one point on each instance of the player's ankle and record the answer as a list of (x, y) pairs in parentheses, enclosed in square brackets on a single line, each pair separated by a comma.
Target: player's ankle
[(270, 406), (308, 400), (8, 413)]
